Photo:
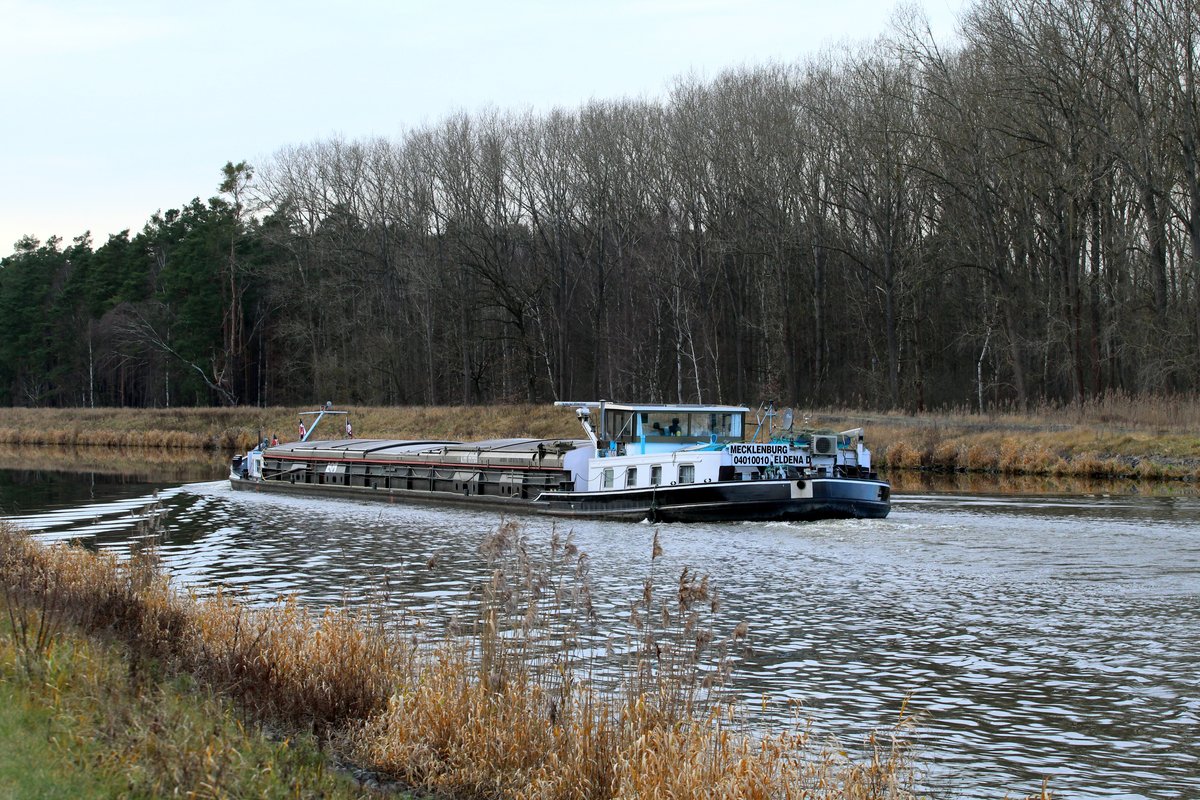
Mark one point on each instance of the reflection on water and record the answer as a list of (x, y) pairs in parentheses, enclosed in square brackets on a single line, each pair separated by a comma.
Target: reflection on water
[(1042, 635), (36, 478), (120, 464)]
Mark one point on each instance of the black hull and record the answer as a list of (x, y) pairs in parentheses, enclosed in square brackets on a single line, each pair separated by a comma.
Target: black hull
[(726, 501)]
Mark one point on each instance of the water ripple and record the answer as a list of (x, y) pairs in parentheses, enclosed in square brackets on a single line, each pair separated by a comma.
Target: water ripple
[(1040, 637)]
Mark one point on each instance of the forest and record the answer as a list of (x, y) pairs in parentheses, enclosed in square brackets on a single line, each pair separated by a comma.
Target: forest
[(1008, 220)]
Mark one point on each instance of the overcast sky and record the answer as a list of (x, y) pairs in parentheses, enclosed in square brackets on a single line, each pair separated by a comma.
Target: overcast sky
[(114, 110)]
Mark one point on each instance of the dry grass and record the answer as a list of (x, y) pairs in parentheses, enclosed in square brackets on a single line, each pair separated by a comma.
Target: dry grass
[(1116, 436), (1113, 436), (87, 726), (240, 428), (291, 667), (191, 428), (1074, 452), (1120, 409), (1112, 411), (502, 703), (926, 481)]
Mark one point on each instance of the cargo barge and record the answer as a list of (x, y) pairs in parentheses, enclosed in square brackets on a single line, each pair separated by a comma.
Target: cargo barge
[(662, 463)]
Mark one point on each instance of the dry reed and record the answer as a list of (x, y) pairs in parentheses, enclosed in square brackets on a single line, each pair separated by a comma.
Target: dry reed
[(242, 427), (503, 703), (1115, 435), (1023, 445), (135, 735), (502, 715)]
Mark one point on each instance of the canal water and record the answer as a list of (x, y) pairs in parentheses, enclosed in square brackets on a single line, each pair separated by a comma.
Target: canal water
[(1039, 635)]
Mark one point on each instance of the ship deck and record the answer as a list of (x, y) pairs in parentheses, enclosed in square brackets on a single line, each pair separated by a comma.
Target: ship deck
[(492, 452)]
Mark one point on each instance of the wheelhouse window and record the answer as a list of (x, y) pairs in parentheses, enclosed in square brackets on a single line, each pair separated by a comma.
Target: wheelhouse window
[(619, 425), (701, 425), (687, 473), (724, 426), (656, 475), (608, 478), (631, 477)]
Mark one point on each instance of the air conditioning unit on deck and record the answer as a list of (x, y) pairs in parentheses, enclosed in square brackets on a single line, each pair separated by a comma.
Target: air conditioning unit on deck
[(824, 445)]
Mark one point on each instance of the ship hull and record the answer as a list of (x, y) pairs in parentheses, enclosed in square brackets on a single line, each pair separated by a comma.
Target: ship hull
[(728, 501), (774, 500)]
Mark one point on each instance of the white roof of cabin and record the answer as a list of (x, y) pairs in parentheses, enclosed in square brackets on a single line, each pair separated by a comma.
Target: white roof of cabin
[(680, 408)]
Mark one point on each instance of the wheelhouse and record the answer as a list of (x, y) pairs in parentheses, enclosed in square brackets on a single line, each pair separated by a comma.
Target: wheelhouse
[(668, 427)]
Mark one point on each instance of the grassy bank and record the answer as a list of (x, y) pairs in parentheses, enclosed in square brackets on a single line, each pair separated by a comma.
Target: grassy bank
[(1079, 452), (89, 708), (498, 705), (76, 721), (239, 428), (1113, 437), (978, 483)]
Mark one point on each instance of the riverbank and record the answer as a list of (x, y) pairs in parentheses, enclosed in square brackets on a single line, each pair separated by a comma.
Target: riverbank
[(1112, 437), (502, 704), (78, 719), (230, 429), (997, 447)]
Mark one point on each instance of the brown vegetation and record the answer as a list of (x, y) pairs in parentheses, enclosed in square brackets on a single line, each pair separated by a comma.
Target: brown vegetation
[(78, 721), (1081, 453), (978, 483), (1115, 436), (239, 428), (499, 705)]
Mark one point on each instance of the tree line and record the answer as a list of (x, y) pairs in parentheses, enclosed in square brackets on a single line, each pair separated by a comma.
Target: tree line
[(1009, 220)]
